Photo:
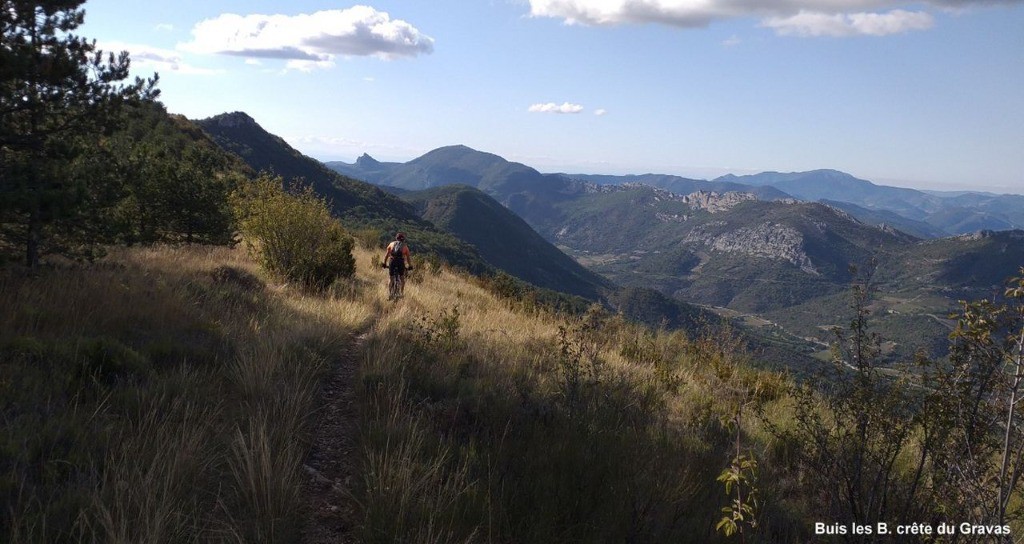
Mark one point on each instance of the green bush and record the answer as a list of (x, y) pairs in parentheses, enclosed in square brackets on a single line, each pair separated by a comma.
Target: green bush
[(107, 361), (370, 238), (292, 233)]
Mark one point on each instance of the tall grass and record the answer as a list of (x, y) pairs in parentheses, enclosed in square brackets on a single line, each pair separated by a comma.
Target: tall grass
[(149, 476), (162, 395), (167, 395), (551, 426)]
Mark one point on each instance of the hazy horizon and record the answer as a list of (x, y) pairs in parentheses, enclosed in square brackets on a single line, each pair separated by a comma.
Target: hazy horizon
[(699, 173)]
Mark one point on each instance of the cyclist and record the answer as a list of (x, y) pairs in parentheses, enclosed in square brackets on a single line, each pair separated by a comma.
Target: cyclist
[(397, 260)]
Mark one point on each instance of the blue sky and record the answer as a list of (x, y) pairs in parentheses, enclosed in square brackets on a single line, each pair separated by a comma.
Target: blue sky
[(928, 94)]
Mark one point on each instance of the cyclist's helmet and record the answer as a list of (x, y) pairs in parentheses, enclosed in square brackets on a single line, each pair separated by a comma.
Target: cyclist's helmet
[(400, 236)]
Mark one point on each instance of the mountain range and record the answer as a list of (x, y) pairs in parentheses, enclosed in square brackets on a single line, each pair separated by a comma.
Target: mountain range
[(777, 250), (951, 213), (927, 214)]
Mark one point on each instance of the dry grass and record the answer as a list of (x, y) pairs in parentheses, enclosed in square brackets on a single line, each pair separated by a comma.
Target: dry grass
[(187, 379), (555, 437), (161, 395)]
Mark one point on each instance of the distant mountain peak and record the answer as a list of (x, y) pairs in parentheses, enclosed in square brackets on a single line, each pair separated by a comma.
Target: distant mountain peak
[(232, 119), (458, 150), (458, 147), (366, 161), (831, 174), (463, 151)]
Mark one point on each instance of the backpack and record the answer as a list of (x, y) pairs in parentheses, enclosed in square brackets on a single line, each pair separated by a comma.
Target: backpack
[(396, 253)]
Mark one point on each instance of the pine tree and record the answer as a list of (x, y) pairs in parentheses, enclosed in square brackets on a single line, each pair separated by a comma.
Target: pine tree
[(174, 183), (58, 97)]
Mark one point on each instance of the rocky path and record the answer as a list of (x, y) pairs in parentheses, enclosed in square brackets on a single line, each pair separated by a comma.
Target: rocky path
[(331, 466)]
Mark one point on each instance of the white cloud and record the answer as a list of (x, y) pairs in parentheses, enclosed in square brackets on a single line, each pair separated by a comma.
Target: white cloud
[(155, 58), (164, 27), (551, 107), (687, 13), (853, 24), (314, 40), (601, 111), (732, 41), (831, 17)]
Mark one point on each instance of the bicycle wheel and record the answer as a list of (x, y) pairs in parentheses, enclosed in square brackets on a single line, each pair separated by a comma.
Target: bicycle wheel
[(393, 287)]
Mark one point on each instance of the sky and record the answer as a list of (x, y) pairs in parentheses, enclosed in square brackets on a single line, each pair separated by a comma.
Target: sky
[(917, 94)]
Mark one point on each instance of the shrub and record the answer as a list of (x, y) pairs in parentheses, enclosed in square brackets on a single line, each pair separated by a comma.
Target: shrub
[(292, 233), (370, 238), (232, 275), (107, 360)]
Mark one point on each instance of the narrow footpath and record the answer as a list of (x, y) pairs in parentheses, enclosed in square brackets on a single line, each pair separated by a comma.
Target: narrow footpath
[(330, 468)]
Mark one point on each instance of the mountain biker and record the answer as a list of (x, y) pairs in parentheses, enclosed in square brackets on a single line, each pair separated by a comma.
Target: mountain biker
[(397, 259)]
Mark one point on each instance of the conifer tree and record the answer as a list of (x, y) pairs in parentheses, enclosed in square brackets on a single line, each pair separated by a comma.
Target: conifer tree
[(58, 98)]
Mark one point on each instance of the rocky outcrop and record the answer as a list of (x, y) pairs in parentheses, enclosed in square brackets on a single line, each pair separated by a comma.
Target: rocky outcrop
[(767, 240), (714, 202), (671, 217), (233, 119), (367, 162)]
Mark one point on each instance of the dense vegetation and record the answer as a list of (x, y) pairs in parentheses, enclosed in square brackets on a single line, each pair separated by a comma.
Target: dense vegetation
[(292, 234), (57, 94)]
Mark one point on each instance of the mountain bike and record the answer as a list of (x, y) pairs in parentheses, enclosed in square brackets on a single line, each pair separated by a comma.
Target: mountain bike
[(396, 285)]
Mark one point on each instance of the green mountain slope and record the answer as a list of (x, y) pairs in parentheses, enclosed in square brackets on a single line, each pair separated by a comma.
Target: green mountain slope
[(890, 219), (969, 266), (467, 230), (743, 254), (240, 134), (358, 204), (505, 240)]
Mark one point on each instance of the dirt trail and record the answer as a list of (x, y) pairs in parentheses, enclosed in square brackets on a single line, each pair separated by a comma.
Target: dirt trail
[(330, 468)]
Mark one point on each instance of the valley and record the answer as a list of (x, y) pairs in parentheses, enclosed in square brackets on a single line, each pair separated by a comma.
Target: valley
[(773, 254)]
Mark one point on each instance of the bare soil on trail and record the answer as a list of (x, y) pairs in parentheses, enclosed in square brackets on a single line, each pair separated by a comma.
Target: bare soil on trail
[(330, 468)]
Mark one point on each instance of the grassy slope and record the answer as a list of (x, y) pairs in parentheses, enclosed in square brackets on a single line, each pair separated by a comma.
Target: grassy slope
[(483, 423), (144, 400)]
